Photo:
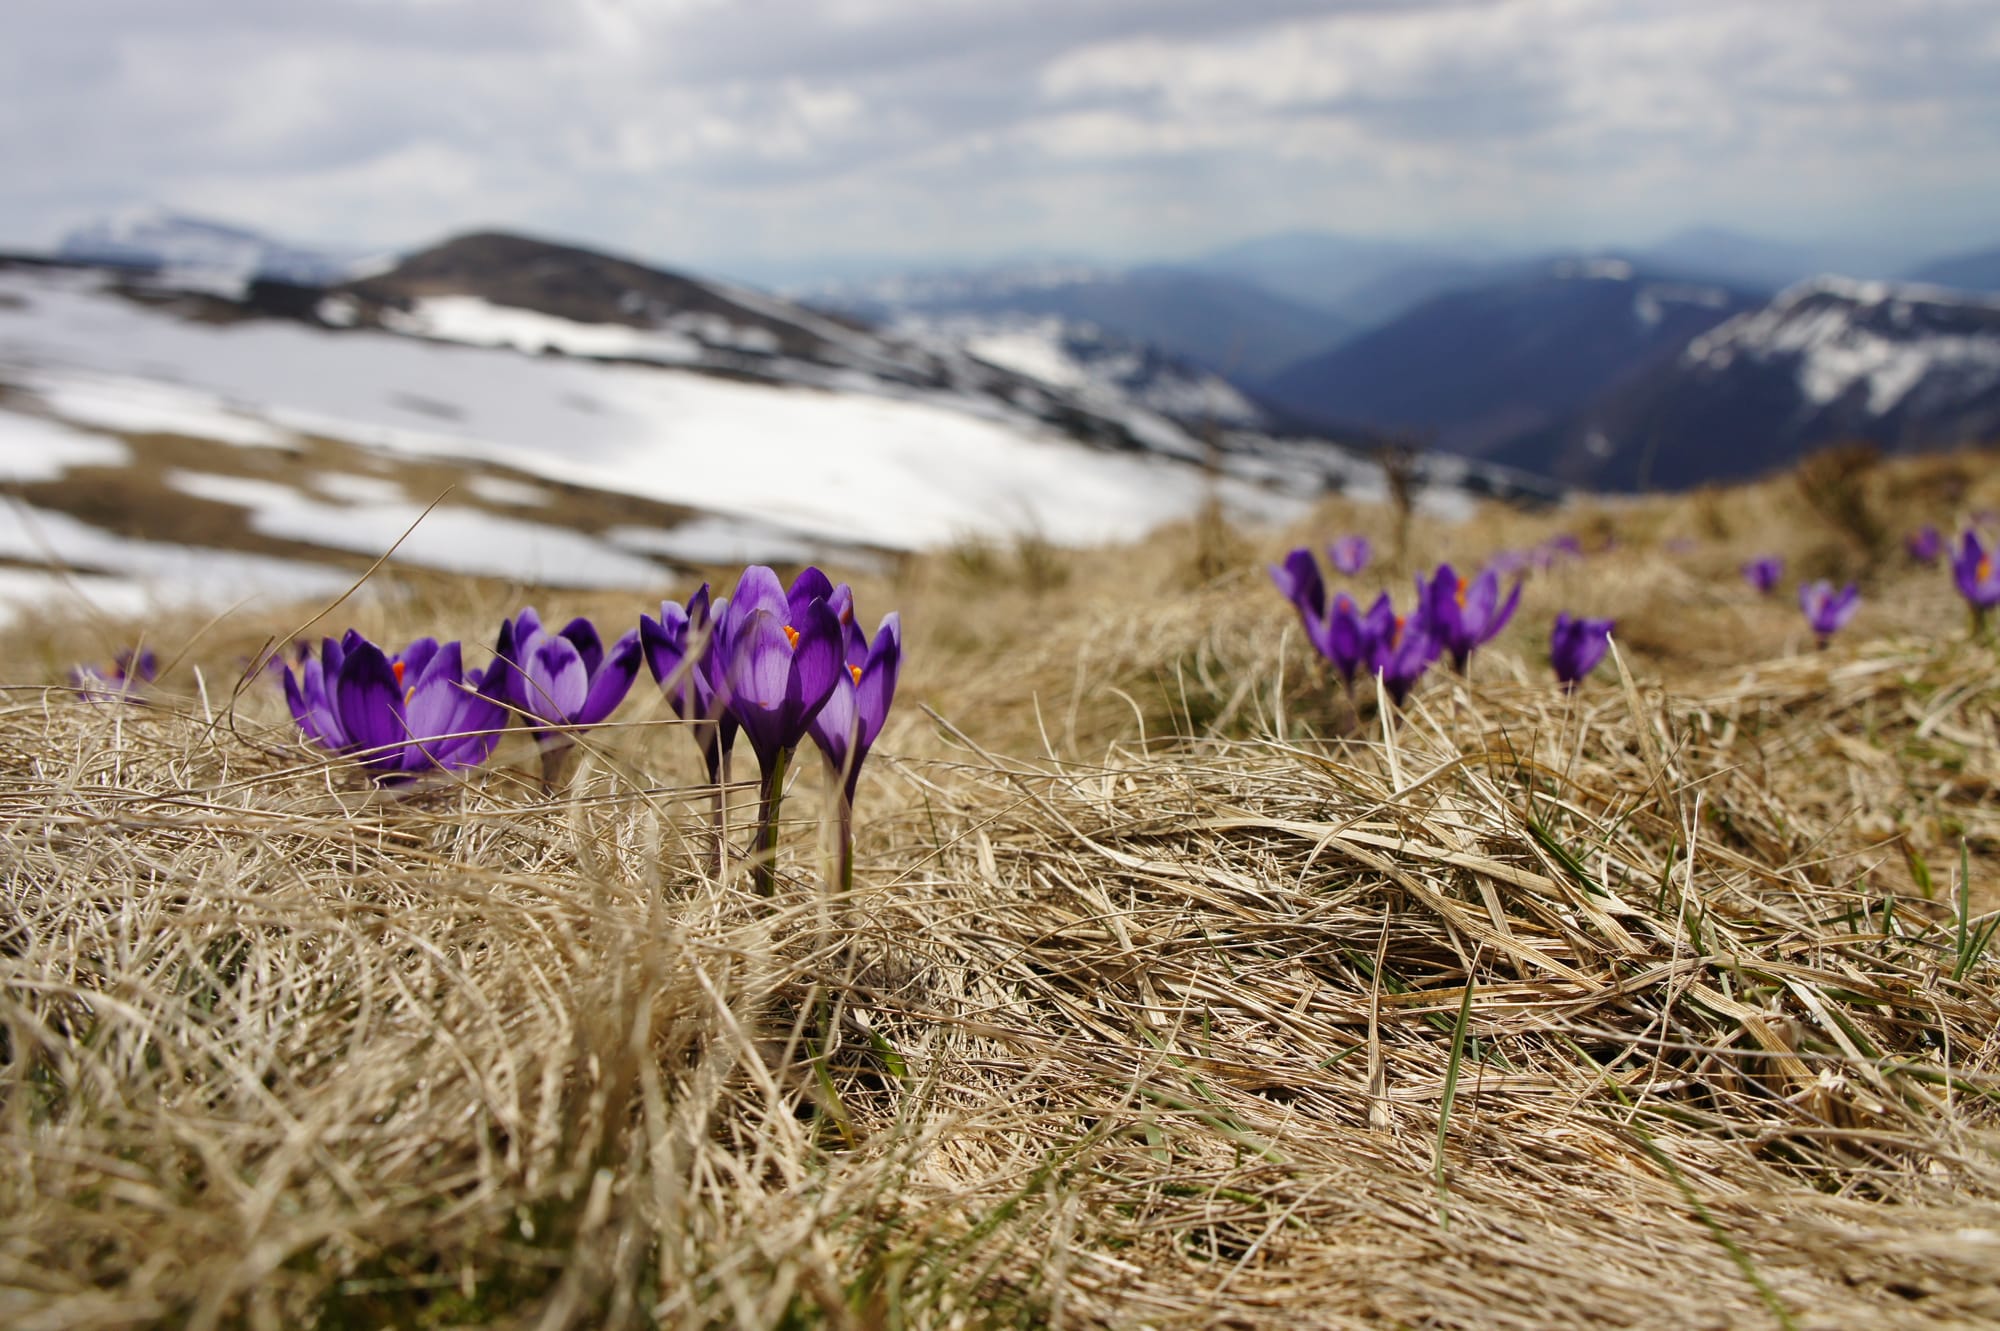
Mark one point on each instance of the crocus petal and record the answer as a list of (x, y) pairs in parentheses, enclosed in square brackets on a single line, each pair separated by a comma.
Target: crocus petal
[(758, 589), (309, 708), (758, 677), (557, 682), (811, 585), (664, 645), (1299, 582), (1345, 645), (415, 659), (582, 635), (506, 655), (1505, 613), (876, 690), (817, 662), (612, 680), (432, 706), (837, 728), (1481, 597), (370, 705)]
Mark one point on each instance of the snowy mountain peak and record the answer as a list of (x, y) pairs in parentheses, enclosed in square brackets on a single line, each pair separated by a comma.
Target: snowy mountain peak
[(198, 252), (1870, 292)]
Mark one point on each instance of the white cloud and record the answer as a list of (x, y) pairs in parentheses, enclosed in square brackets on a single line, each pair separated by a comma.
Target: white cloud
[(693, 130)]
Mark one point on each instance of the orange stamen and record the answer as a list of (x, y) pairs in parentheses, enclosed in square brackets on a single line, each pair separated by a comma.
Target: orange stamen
[(1461, 593), (791, 635), (1984, 569), (855, 671), (397, 666)]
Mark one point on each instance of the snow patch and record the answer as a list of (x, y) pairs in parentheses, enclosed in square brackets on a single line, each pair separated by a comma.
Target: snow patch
[(34, 448), (480, 323), (139, 406), (154, 573), (506, 493), (351, 489), (716, 539), (452, 539)]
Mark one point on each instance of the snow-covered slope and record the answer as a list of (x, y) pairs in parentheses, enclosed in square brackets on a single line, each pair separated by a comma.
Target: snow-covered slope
[(1865, 347), (1900, 365), (94, 381), (603, 424)]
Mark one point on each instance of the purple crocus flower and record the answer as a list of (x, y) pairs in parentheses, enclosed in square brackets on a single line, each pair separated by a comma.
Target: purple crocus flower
[(1972, 568), (1763, 573), (565, 678), (400, 714), (1828, 610), (127, 671), (1341, 638), (680, 650), (1576, 645), (1402, 652), (1925, 544), (846, 727), (1350, 554), (1299, 582), (781, 653), (782, 659), (1460, 615)]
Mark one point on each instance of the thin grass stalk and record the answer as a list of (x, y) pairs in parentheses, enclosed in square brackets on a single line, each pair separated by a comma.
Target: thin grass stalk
[(1451, 1095)]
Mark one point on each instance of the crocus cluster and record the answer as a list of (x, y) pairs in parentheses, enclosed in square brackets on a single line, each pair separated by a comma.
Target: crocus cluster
[(772, 664), (1449, 615), (399, 714), (777, 665)]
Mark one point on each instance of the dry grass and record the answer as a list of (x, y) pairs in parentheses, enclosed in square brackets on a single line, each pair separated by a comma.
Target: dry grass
[(1171, 993)]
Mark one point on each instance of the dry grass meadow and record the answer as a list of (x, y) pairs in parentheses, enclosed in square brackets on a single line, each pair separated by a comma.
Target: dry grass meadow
[(1169, 993)]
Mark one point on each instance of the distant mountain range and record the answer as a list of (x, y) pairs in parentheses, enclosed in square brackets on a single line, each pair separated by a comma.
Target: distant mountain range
[(1671, 365), (1229, 325), (197, 252), (1905, 367), (1471, 369), (1978, 271)]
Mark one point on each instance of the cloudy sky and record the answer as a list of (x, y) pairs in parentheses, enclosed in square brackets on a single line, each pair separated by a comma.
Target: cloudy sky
[(739, 133)]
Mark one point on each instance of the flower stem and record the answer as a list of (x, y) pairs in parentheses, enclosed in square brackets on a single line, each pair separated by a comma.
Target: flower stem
[(846, 848), (555, 753), (764, 852)]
